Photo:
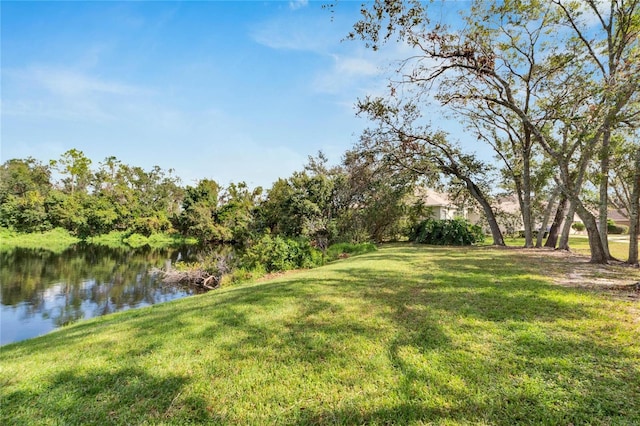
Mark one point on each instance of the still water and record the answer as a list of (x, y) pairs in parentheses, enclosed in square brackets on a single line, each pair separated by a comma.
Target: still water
[(41, 290)]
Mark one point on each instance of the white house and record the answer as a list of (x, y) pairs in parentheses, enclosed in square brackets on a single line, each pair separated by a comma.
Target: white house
[(440, 204), (507, 211), (442, 207)]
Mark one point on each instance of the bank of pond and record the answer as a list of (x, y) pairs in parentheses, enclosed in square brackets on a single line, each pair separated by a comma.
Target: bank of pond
[(41, 290)]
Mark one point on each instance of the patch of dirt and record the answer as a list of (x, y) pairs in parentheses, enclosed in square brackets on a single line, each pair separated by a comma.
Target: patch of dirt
[(273, 275), (574, 270)]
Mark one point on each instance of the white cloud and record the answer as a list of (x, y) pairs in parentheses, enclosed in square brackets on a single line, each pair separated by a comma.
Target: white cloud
[(297, 4), (356, 66), (72, 83), (361, 71), (294, 34), (65, 94), (347, 72)]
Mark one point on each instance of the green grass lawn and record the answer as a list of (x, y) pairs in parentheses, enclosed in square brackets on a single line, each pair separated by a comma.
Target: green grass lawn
[(405, 335), (618, 245)]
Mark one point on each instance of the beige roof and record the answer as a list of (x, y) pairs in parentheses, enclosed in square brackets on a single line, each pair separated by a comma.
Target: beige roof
[(431, 198), (434, 198), (616, 214), (509, 204)]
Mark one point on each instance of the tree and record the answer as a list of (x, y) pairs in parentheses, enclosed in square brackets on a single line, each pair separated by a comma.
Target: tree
[(115, 197), (67, 211), (376, 197), (625, 189), (612, 47), (111, 183), (498, 48), (504, 42), (238, 209), (554, 230), (99, 216), (199, 209), (533, 67), (317, 203), (275, 210), (24, 186), (144, 201), (548, 211), (75, 169), (302, 206), (399, 140), (634, 211)]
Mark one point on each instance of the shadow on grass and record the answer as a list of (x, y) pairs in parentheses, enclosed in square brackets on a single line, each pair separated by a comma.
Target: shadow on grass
[(467, 336), (100, 397), (534, 370)]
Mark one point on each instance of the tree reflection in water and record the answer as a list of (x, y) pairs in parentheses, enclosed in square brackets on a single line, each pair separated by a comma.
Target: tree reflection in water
[(41, 290)]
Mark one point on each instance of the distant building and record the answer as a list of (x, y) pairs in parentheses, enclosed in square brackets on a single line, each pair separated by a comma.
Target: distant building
[(507, 211), (440, 205), (620, 217), (443, 207)]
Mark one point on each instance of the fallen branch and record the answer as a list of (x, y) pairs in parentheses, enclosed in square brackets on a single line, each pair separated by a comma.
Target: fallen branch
[(193, 278)]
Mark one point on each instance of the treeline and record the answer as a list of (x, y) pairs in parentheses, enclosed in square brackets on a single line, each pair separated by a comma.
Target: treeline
[(352, 202)]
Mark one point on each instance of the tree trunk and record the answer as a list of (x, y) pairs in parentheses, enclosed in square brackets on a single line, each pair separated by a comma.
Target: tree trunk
[(526, 220), (566, 228), (634, 231), (545, 219), (634, 214), (476, 193), (603, 211), (598, 255), (561, 211), (526, 195)]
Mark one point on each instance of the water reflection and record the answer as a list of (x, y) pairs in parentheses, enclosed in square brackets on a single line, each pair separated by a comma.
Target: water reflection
[(41, 290)]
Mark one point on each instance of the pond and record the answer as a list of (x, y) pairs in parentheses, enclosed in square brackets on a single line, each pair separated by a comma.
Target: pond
[(41, 290)]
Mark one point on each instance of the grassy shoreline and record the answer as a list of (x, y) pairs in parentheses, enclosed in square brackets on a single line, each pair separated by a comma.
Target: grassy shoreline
[(55, 240), (403, 335), (58, 240)]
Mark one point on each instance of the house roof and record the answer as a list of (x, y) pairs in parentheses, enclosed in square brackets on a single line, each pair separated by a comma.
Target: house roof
[(509, 204), (433, 198), (618, 214)]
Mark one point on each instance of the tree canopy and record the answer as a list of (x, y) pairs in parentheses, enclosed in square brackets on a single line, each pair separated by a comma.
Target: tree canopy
[(547, 85)]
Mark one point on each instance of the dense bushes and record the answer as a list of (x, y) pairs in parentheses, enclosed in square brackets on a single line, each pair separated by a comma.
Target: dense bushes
[(456, 232), (612, 228), (578, 226), (275, 253)]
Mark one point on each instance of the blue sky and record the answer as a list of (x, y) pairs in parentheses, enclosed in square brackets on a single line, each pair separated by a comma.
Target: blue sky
[(231, 91)]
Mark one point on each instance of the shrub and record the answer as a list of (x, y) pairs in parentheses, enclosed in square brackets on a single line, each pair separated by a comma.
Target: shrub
[(578, 226), (280, 254), (612, 228), (136, 240), (150, 225), (618, 229), (456, 232)]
